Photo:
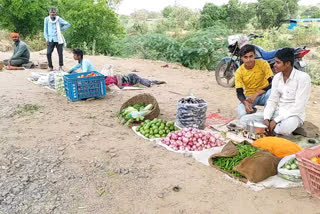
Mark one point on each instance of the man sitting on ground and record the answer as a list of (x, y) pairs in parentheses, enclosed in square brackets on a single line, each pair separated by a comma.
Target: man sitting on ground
[(253, 82), (285, 110), (84, 64), (21, 53)]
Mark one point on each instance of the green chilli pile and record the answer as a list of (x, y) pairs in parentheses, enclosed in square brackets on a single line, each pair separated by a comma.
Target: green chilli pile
[(227, 163)]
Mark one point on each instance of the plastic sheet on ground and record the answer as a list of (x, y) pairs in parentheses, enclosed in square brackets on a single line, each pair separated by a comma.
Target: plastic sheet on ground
[(203, 156), (113, 88), (42, 79), (271, 182)]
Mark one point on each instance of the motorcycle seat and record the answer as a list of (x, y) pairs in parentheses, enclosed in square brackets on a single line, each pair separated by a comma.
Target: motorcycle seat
[(266, 55)]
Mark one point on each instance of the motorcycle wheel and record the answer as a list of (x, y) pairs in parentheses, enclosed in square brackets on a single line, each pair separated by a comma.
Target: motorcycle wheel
[(223, 77)]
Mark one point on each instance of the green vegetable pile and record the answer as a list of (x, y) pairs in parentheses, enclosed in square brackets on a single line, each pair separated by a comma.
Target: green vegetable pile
[(291, 165), (227, 163), (59, 84), (134, 113), (156, 128)]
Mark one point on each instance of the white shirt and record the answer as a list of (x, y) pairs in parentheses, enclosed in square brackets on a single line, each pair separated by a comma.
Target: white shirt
[(289, 98)]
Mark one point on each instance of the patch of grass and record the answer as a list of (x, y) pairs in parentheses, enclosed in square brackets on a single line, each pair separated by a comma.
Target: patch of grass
[(5, 43), (26, 109), (91, 117), (36, 42), (312, 70)]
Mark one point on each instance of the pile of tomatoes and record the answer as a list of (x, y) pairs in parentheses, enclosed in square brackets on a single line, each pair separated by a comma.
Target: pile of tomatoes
[(88, 75)]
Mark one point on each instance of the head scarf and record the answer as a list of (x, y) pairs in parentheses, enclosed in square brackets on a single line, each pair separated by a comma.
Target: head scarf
[(14, 35)]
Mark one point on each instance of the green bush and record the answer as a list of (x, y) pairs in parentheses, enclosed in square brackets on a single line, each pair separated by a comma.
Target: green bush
[(275, 39), (271, 13), (199, 50), (312, 70), (306, 35), (36, 42), (211, 14), (94, 27), (204, 49), (150, 46), (24, 17), (202, 53)]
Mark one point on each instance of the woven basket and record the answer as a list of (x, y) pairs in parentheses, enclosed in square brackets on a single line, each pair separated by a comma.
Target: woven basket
[(147, 99)]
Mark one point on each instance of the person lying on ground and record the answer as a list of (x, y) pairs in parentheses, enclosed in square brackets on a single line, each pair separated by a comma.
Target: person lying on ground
[(84, 64), (291, 88), (130, 80), (253, 82), (21, 53)]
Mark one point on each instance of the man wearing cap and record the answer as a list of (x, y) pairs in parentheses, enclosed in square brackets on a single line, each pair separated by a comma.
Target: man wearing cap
[(53, 26), (21, 54)]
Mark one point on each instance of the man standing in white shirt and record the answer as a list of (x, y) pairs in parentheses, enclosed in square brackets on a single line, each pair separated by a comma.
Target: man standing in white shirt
[(285, 109), (53, 25)]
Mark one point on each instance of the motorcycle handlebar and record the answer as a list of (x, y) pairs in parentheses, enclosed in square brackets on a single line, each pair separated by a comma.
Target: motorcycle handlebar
[(254, 36)]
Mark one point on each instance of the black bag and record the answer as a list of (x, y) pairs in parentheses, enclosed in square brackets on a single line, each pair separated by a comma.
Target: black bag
[(191, 112)]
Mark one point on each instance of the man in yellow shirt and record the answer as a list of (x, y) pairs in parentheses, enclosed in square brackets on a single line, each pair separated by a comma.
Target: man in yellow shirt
[(253, 81)]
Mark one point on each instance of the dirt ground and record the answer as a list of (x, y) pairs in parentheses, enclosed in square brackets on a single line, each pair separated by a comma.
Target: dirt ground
[(74, 157)]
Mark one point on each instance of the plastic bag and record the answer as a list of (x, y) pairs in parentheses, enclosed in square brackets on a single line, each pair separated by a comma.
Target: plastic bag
[(107, 70), (43, 80), (191, 112), (36, 75), (136, 114), (291, 175), (51, 80)]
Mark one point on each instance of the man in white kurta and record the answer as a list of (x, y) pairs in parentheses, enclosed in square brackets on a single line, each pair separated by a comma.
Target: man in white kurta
[(285, 109)]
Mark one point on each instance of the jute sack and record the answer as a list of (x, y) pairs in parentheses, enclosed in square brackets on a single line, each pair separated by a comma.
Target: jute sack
[(259, 166), (229, 150)]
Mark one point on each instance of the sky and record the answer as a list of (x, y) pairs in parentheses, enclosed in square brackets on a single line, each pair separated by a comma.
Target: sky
[(129, 6)]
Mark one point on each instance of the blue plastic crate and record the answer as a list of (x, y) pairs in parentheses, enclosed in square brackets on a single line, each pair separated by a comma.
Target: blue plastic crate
[(85, 87)]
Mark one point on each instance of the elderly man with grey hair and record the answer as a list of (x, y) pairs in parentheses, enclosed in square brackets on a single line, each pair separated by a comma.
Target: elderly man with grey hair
[(53, 27)]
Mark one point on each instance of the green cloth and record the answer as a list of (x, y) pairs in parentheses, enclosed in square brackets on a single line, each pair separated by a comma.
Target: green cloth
[(20, 51)]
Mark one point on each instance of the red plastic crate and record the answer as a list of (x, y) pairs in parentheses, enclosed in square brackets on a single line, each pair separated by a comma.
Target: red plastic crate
[(310, 171)]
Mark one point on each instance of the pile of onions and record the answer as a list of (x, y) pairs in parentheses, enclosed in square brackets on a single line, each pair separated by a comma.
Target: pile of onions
[(191, 139)]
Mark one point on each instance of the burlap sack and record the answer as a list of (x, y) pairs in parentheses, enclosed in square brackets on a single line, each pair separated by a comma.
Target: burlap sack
[(229, 150), (259, 166)]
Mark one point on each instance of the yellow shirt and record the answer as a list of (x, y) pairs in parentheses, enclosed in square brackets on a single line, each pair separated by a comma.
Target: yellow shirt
[(254, 79)]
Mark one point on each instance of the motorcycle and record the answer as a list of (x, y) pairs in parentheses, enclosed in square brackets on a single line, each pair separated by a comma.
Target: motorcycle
[(225, 71)]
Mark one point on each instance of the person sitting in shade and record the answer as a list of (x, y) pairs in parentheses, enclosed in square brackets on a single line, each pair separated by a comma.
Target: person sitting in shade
[(84, 64), (21, 53)]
